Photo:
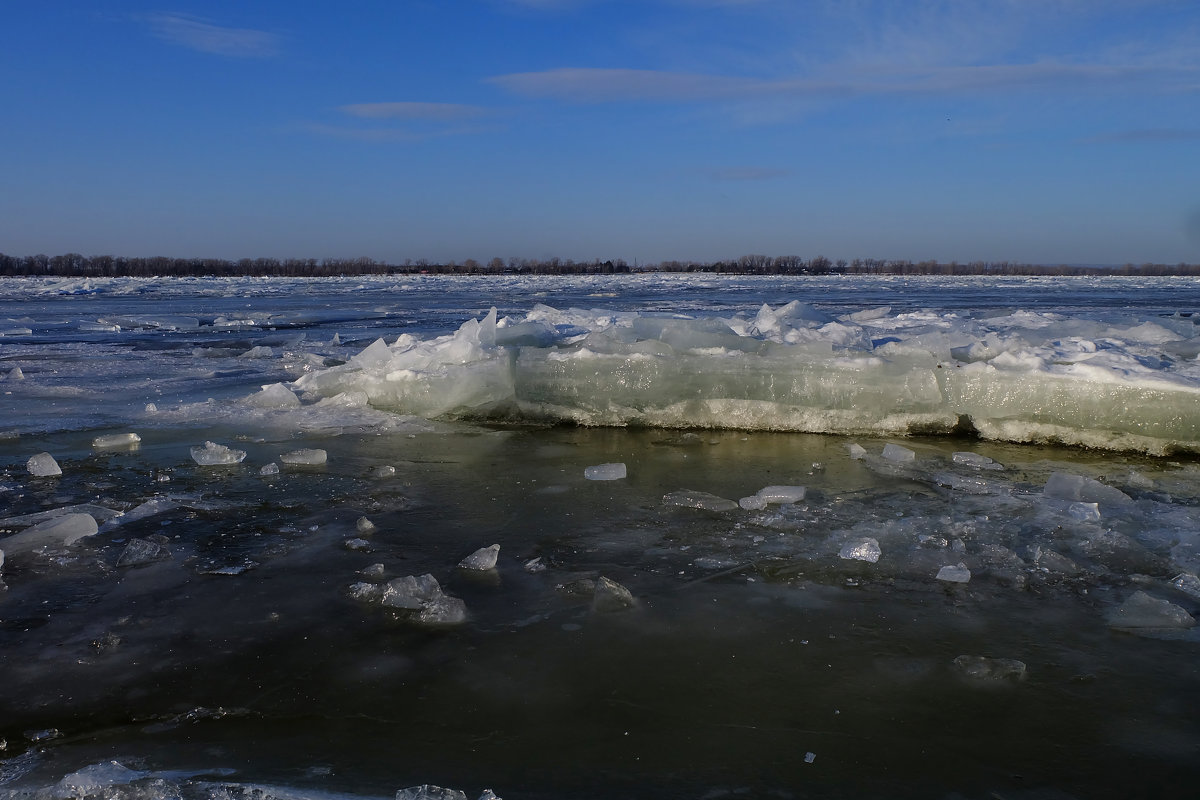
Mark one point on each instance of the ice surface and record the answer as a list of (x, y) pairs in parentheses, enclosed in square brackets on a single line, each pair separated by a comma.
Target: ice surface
[(605, 472), (43, 465), (894, 452), (693, 499), (1084, 512), (116, 440), (213, 454), (1064, 486), (981, 668), (430, 792), (1021, 377), (142, 551), (307, 456), (753, 503), (269, 469), (611, 596), (974, 460), (1187, 583), (954, 573), (15, 374), (420, 594), (93, 780), (64, 530), (856, 451), (364, 525), (1143, 611), (275, 395), (862, 550), (781, 494), (482, 559)]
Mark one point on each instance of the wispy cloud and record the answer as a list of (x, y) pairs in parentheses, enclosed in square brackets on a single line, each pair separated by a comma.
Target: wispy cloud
[(437, 112), (586, 85), (205, 37)]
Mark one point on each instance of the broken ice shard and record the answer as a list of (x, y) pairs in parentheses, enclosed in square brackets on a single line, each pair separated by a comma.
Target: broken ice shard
[(856, 451), (974, 460), (861, 550), (605, 472), (43, 465), (307, 457), (214, 455), (954, 573), (423, 595), (116, 440), (275, 395), (781, 494), (611, 596), (364, 525), (1143, 611), (482, 559), (704, 500), (142, 551), (894, 452), (1064, 486), (1185, 582), (66, 529), (430, 792)]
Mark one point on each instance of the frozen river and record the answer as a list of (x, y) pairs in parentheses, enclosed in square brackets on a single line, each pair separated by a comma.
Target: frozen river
[(757, 537)]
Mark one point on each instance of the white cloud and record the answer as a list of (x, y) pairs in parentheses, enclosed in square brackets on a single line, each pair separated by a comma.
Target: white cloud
[(436, 112), (205, 37)]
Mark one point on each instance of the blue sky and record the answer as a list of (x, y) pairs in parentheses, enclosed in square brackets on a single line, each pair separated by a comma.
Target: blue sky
[(1027, 130)]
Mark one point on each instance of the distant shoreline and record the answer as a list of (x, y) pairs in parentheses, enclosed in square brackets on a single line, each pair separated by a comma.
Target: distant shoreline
[(73, 265)]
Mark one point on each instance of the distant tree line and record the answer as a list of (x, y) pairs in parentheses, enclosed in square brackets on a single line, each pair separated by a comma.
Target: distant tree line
[(76, 265)]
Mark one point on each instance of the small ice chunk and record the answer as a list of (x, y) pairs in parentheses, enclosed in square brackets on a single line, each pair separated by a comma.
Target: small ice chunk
[(974, 460), (704, 500), (16, 374), (981, 668), (142, 551), (259, 351), (753, 503), (1084, 512), (488, 794), (781, 494), (1185, 582), (384, 471), (423, 595), (364, 525), (605, 472), (357, 544), (116, 440), (269, 469), (862, 550), (275, 395), (151, 408), (43, 465), (214, 455), (1143, 611), (306, 456), (894, 452), (1065, 486), (482, 559), (954, 573), (442, 611), (430, 792), (96, 780), (611, 596), (535, 565), (374, 571), (366, 592), (856, 451), (810, 757)]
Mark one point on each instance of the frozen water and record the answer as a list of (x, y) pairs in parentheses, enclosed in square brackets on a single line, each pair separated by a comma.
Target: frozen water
[(116, 440), (275, 395), (1143, 611), (420, 594), (611, 596), (94, 779), (974, 460), (981, 668), (856, 451), (364, 525), (781, 494), (862, 550), (1187, 583), (693, 499), (753, 503), (142, 551), (1084, 512), (43, 465), (482, 559), (307, 456), (213, 454), (1064, 486), (430, 792), (64, 530), (269, 469), (894, 452), (15, 374), (605, 472), (954, 573)]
